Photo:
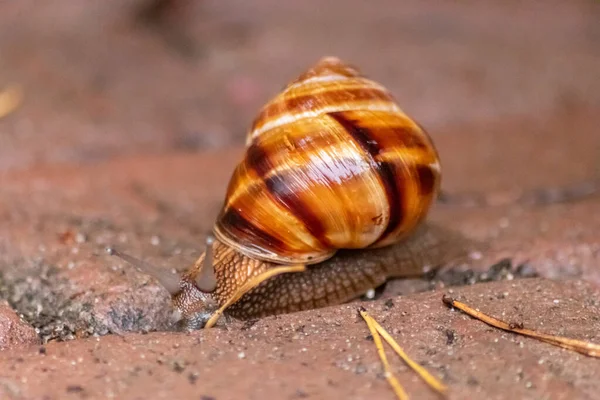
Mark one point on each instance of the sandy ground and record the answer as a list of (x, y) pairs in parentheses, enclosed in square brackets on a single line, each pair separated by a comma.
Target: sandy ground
[(125, 111)]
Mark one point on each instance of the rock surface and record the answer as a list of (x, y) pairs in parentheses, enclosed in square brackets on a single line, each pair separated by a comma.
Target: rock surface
[(328, 354), (14, 332)]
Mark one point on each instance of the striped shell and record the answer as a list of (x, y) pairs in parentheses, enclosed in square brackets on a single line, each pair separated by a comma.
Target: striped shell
[(331, 163)]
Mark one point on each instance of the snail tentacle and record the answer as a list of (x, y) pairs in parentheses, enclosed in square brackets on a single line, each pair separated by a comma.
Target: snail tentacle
[(169, 281)]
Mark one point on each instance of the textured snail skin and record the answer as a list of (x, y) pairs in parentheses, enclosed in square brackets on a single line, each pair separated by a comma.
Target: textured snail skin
[(332, 165), (345, 276)]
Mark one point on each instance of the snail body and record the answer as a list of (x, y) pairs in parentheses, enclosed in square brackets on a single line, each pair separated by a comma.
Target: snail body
[(335, 177), (341, 278)]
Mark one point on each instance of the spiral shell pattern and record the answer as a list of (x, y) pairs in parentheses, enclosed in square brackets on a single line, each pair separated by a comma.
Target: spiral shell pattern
[(331, 163)]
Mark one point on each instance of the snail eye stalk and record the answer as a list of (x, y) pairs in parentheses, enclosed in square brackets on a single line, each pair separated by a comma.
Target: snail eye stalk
[(167, 280), (206, 280)]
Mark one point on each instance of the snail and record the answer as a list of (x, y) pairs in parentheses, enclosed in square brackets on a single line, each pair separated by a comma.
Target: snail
[(336, 179)]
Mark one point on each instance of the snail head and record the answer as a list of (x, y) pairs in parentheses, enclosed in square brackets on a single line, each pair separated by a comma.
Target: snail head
[(190, 292)]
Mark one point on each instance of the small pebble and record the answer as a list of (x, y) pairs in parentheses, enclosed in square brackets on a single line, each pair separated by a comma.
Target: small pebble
[(80, 238)]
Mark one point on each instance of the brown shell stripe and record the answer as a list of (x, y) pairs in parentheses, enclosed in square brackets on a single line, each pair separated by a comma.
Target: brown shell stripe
[(387, 171), (427, 179), (283, 195), (277, 186), (249, 234), (278, 189), (317, 100)]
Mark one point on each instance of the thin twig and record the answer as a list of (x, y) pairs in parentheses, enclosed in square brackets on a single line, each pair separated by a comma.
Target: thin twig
[(585, 348), (389, 375), (433, 382), (429, 379)]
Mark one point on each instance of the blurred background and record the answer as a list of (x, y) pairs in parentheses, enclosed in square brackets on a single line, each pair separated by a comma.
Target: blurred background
[(106, 78)]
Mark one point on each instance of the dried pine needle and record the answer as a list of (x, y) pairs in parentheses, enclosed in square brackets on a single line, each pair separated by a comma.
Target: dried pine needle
[(249, 285), (398, 389), (10, 99), (585, 348), (433, 382)]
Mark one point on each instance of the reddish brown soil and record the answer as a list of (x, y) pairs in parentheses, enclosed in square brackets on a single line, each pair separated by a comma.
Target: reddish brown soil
[(129, 131)]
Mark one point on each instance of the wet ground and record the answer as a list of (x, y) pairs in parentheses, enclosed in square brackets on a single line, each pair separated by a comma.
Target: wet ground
[(126, 108)]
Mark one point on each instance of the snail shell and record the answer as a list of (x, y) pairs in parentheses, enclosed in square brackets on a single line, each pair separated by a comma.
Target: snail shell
[(331, 163)]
